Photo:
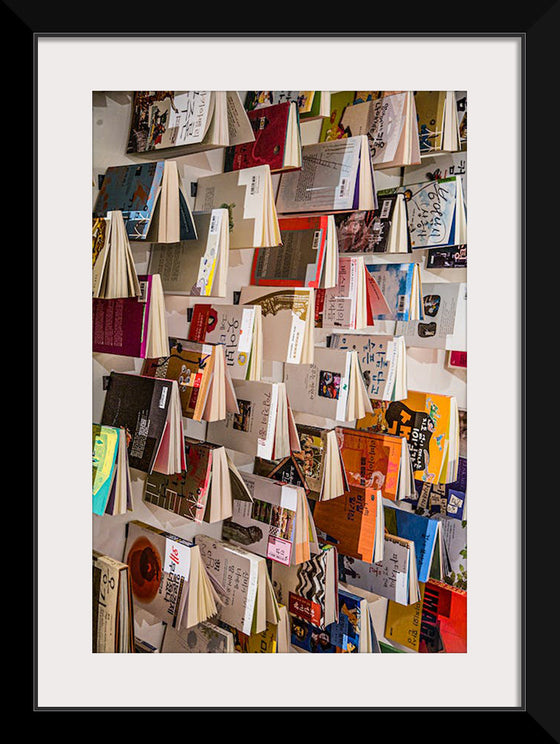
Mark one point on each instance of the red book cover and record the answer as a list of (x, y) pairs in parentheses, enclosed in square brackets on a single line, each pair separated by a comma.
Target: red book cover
[(444, 619), (269, 124), (204, 318), (119, 326)]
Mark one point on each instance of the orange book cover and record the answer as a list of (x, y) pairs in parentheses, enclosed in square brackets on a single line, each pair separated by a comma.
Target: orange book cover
[(371, 459), (349, 522)]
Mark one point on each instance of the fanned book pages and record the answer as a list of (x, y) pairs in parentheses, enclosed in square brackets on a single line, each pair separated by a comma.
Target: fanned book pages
[(391, 126), (151, 199), (275, 639), (113, 270), (111, 486), (168, 578), (423, 531), (248, 600), (276, 143), (436, 623), (383, 362), (352, 633), (204, 490), (112, 608), (332, 387), (430, 423), (307, 257), (334, 176), (376, 460), (354, 523), (381, 230), (317, 466), (205, 386), (445, 318), (193, 120), (204, 638), (149, 410), (394, 577), (438, 121), (248, 196), (436, 212), (401, 287), (238, 328), (288, 321), (264, 426), (276, 524), (196, 267), (132, 326), (309, 590)]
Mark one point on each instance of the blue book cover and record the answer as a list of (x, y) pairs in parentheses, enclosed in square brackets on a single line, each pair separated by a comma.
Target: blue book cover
[(132, 189), (395, 281), (336, 638), (423, 532), (446, 498)]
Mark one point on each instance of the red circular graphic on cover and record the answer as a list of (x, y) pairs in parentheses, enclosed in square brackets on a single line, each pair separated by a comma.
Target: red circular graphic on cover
[(144, 561)]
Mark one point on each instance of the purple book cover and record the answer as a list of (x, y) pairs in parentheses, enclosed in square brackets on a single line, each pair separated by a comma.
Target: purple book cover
[(120, 326)]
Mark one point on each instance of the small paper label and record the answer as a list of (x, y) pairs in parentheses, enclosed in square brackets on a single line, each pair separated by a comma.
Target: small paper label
[(163, 397)]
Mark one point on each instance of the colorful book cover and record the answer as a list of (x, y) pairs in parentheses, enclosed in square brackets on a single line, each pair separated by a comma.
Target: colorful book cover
[(395, 282), (342, 637), (428, 422), (349, 522), (423, 531), (448, 499), (432, 211), (298, 262), (453, 551), (132, 189), (270, 126), (429, 112), (447, 257), (331, 128), (191, 367), (105, 445), (184, 493), (371, 459), (139, 404), (366, 231), (120, 326)]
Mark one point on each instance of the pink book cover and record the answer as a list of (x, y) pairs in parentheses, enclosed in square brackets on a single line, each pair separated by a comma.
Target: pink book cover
[(120, 326)]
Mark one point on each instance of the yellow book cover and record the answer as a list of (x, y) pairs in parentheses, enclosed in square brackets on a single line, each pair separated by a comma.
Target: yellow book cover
[(402, 623)]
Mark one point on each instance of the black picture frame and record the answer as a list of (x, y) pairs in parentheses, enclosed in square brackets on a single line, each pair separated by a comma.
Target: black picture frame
[(537, 25)]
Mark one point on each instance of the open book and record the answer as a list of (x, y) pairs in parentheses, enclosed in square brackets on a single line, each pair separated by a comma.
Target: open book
[(113, 270), (264, 426), (307, 257), (401, 287), (111, 486), (204, 490), (195, 267), (332, 387), (445, 318), (151, 199), (112, 609), (248, 196), (381, 230), (248, 602), (132, 326), (192, 120), (205, 386), (238, 328), (149, 410), (168, 578), (334, 176), (438, 121), (277, 522)]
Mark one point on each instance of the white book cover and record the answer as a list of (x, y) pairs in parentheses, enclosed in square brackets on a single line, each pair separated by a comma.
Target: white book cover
[(441, 301)]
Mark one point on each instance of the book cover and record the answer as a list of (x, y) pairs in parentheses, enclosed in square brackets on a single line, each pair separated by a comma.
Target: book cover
[(423, 531), (339, 637), (443, 626), (159, 565), (184, 493), (132, 189), (448, 499), (229, 325), (191, 368), (204, 638), (427, 421), (440, 302), (429, 111), (298, 262), (367, 230), (270, 128), (331, 128), (105, 444), (447, 257), (395, 281), (432, 211), (349, 522), (139, 404), (266, 525), (120, 326), (371, 460)]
